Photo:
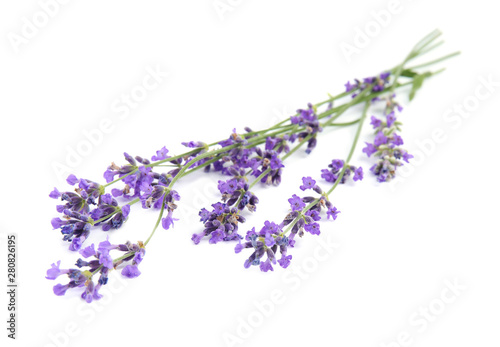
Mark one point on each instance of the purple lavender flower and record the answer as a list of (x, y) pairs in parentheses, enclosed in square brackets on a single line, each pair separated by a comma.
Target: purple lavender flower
[(219, 208), (332, 212), (276, 163), (348, 86), (296, 203), (131, 271), (55, 194), (314, 214), (168, 221), (204, 215), (369, 149), (380, 139), (285, 261), (391, 119), (396, 140), (160, 154), (266, 266), (55, 272), (139, 256), (312, 228), (328, 175), (88, 251), (358, 174), (307, 183), (337, 164), (375, 122), (88, 293), (60, 289), (269, 240), (72, 180), (404, 155)]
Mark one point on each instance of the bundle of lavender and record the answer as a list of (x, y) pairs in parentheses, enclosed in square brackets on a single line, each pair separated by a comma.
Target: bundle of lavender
[(245, 159)]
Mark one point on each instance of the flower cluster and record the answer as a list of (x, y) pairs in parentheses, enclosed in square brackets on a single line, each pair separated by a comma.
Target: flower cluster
[(280, 143), (89, 206), (100, 265), (74, 226), (387, 144), (376, 83), (272, 237), (337, 168), (309, 119), (77, 215), (221, 224), (235, 192), (242, 158), (158, 195)]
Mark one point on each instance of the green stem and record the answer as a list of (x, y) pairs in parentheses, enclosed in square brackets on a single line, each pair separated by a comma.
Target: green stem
[(198, 158), (157, 221), (208, 162), (416, 51), (448, 56), (250, 186), (345, 124), (116, 211), (351, 152), (127, 255)]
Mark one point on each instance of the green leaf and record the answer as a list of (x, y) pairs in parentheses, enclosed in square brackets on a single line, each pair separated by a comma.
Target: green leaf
[(408, 73), (418, 80)]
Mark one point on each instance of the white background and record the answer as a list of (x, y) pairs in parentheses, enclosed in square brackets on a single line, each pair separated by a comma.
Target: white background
[(395, 246)]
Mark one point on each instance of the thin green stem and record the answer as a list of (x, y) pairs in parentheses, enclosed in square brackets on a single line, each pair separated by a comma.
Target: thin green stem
[(127, 255), (353, 147), (119, 178), (416, 51), (344, 124), (250, 186), (157, 221), (448, 56), (198, 158), (116, 211), (294, 149), (208, 162)]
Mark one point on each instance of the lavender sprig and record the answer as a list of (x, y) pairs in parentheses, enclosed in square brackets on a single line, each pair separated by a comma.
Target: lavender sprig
[(255, 153), (387, 144), (101, 265)]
